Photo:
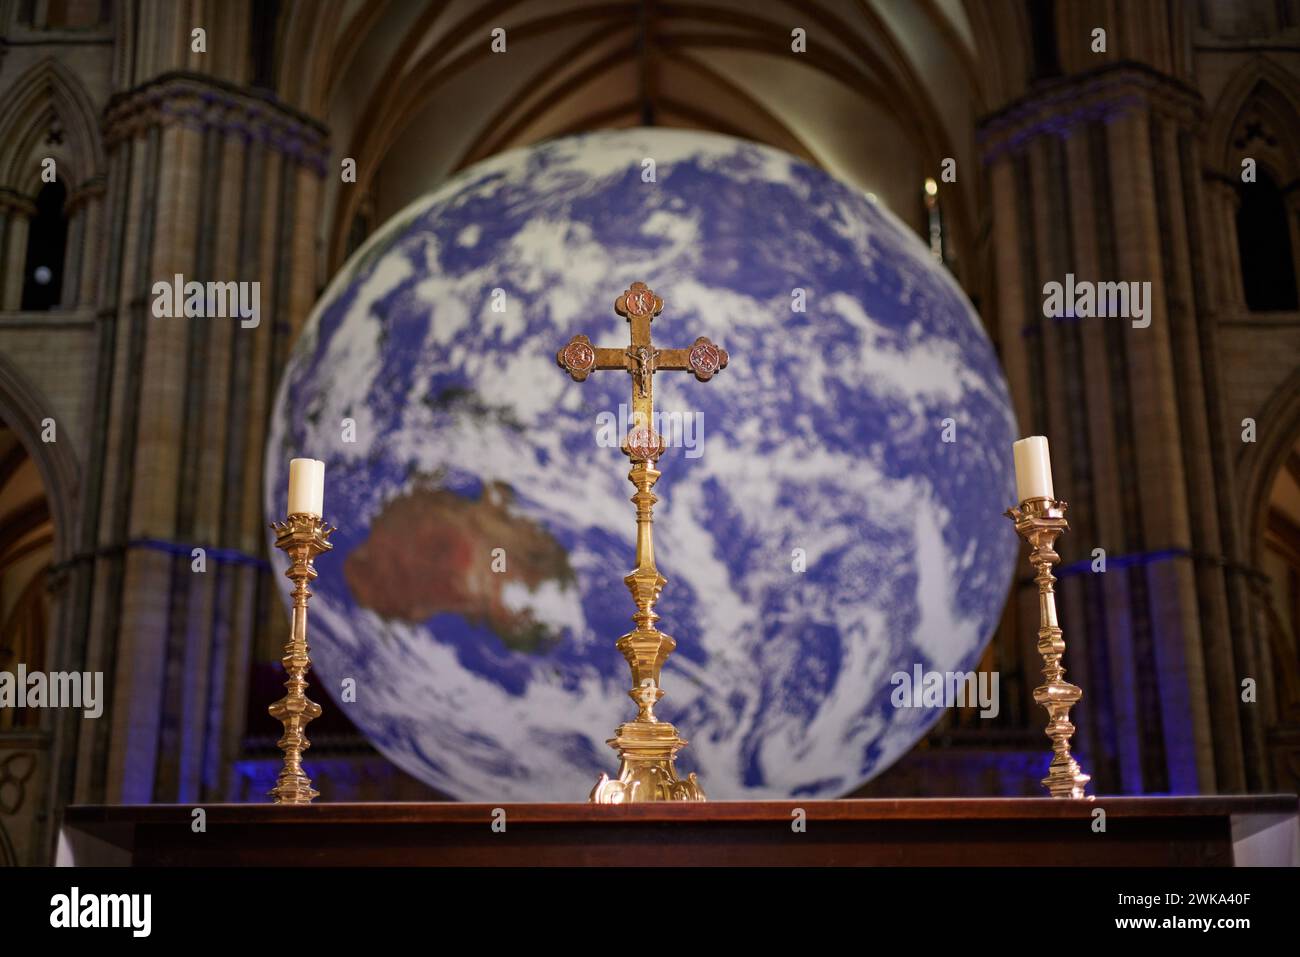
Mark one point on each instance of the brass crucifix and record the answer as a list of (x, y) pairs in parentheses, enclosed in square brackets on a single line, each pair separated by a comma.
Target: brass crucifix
[(647, 747)]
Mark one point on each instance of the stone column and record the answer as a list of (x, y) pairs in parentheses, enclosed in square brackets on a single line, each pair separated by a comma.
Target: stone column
[(1101, 195), (1054, 343), (1231, 742), (72, 259), (1211, 202), (4, 249), (20, 212), (1222, 202), (1292, 200), (1160, 477), (91, 255), (1114, 690), (79, 257), (215, 186)]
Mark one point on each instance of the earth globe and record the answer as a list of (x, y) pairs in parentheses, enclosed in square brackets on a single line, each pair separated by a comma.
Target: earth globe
[(829, 517)]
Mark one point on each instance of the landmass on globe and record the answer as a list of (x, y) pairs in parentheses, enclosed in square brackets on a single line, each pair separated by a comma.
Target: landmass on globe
[(425, 556)]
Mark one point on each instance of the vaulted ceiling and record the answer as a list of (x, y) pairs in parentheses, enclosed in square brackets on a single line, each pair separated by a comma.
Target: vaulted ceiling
[(413, 90)]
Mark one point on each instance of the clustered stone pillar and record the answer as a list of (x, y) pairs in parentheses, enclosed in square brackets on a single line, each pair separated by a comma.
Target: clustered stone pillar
[(1098, 175), (210, 183)]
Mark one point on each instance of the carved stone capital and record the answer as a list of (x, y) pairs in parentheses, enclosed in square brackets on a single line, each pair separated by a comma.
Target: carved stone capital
[(204, 103), (15, 202), (1066, 105)]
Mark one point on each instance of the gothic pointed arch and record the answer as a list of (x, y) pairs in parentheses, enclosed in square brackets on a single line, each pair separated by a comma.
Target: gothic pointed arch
[(1267, 467), (1257, 115), (51, 174), (24, 408), (1253, 146), (48, 114), (1258, 463)]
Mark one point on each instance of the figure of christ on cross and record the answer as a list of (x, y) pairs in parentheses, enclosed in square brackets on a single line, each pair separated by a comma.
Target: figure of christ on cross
[(646, 746)]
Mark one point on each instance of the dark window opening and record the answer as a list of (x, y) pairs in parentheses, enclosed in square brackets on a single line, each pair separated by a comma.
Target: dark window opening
[(56, 14), (47, 240), (1264, 247), (1042, 34), (362, 227), (261, 42)]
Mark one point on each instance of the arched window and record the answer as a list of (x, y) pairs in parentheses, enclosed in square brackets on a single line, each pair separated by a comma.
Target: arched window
[(47, 240), (1264, 245)]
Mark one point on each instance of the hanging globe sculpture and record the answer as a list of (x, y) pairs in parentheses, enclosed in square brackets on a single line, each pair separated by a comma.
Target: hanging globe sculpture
[(831, 508)]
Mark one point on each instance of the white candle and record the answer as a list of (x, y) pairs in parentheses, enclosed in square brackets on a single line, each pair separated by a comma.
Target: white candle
[(306, 487), (1033, 468)]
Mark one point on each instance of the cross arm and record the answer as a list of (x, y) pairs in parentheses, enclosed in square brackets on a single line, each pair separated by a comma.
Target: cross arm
[(580, 358), (639, 305), (704, 358), (612, 359)]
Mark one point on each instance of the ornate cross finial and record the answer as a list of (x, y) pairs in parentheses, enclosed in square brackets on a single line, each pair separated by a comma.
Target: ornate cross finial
[(639, 305), (646, 745)]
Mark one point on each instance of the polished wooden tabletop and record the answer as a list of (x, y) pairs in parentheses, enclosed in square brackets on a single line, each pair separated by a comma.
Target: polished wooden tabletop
[(1135, 830)]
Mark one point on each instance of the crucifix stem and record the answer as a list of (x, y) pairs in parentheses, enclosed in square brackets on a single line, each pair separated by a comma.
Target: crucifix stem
[(646, 580), (647, 746)]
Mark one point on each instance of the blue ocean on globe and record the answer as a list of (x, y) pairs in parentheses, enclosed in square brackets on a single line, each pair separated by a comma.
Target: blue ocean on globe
[(833, 516)]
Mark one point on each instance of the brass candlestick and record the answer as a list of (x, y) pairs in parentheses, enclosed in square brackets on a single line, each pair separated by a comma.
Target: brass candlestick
[(302, 537), (647, 747), (1040, 521)]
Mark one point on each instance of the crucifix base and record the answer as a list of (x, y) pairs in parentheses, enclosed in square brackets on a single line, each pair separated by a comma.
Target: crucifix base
[(646, 769)]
